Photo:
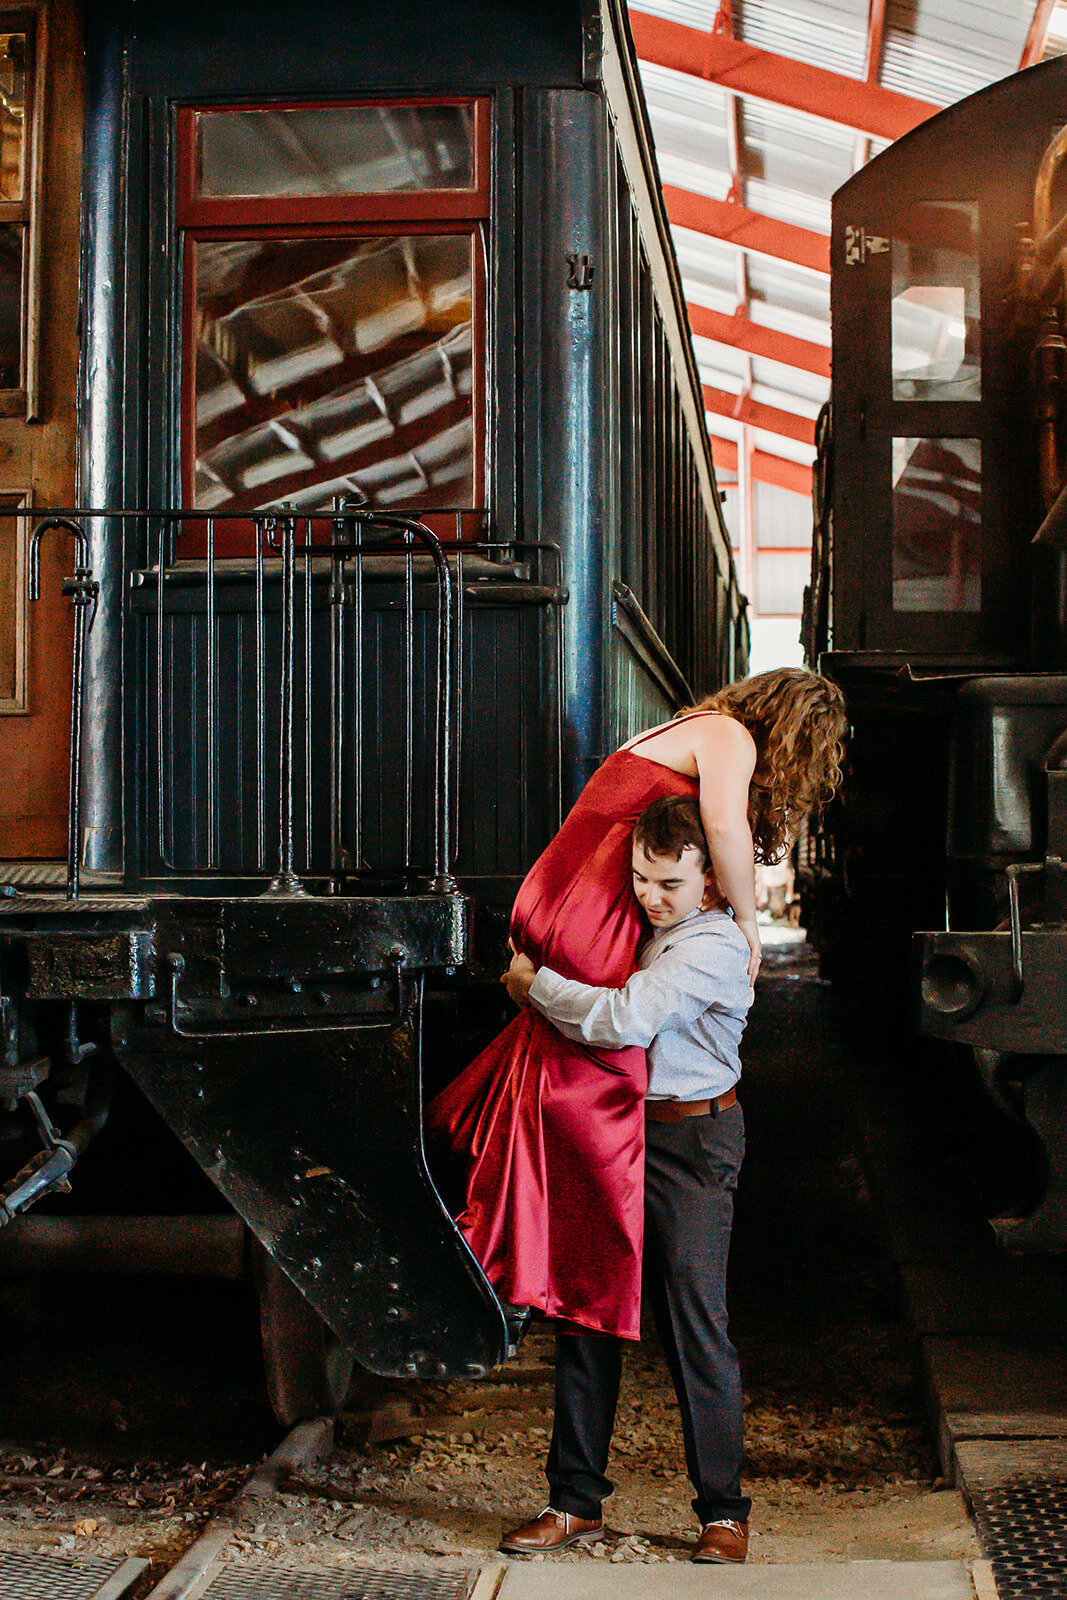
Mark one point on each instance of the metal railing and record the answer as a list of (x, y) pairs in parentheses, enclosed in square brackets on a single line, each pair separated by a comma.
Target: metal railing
[(277, 575)]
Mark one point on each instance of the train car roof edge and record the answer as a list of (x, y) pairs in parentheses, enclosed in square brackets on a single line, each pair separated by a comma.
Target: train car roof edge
[(618, 74), (1003, 88)]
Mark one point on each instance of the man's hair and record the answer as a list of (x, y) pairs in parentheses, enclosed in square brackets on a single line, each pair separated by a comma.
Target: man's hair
[(668, 825)]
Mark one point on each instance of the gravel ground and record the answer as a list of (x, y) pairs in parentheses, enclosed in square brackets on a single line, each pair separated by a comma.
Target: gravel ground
[(840, 1462), (830, 1480)]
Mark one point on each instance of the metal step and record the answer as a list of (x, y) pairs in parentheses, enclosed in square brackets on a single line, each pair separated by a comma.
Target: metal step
[(355, 1583), (1017, 1489), (47, 1577)]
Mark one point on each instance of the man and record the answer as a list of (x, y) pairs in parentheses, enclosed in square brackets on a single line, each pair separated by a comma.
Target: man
[(687, 1004)]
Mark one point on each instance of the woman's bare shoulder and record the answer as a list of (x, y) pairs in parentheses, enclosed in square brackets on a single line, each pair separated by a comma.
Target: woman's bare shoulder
[(720, 732)]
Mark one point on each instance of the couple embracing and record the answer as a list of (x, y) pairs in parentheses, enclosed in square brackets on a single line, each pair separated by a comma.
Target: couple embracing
[(586, 1157)]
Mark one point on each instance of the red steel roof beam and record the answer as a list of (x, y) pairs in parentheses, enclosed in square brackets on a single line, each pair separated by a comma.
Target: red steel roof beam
[(741, 333), (750, 230), (872, 68), (766, 468), (1036, 39), (745, 69), (742, 408), (875, 40)]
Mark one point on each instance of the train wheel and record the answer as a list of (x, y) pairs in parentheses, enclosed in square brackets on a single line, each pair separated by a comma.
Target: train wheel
[(307, 1370)]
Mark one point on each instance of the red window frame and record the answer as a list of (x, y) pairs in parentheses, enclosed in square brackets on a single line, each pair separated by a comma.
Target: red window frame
[(460, 212)]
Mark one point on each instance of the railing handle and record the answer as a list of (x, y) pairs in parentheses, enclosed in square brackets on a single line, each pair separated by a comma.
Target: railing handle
[(84, 591), (1013, 874)]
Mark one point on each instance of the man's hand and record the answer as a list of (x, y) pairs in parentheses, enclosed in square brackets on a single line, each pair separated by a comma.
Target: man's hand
[(518, 978)]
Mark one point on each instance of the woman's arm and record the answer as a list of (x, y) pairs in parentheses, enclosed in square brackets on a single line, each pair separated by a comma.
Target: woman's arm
[(725, 756)]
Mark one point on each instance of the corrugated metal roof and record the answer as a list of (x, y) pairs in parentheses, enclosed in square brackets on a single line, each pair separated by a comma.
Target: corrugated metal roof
[(942, 50), (708, 265), (790, 164), (724, 367), (780, 284), (817, 31), (692, 13)]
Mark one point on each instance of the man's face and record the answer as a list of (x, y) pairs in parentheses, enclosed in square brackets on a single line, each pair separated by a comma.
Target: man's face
[(669, 890)]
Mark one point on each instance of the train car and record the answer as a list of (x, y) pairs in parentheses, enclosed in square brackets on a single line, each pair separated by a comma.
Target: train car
[(939, 601), (356, 500)]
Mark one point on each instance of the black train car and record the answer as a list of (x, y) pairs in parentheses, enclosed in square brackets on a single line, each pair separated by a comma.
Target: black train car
[(389, 510), (939, 600)]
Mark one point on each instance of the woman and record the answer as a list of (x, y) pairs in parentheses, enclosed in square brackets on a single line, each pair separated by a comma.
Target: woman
[(552, 1132)]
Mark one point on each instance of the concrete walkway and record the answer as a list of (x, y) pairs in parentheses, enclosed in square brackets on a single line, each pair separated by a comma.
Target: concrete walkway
[(843, 1580)]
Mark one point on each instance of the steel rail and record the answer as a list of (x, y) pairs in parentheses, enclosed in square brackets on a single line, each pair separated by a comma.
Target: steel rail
[(306, 1443)]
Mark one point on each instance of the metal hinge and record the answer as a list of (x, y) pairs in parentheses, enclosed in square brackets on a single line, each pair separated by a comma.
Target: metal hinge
[(580, 275), (859, 244)]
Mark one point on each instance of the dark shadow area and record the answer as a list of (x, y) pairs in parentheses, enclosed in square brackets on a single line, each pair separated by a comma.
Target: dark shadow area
[(829, 1358)]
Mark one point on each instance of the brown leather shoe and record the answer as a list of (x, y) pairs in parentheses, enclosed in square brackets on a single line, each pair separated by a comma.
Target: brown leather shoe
[(549, 1532), (722, 1541)]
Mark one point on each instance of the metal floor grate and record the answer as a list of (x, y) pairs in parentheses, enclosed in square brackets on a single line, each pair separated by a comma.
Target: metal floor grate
[(357, 1583), (1022, 1525), (44, 1577)]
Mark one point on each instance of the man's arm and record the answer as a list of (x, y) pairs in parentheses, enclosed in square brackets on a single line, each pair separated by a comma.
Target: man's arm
[(676, 989)]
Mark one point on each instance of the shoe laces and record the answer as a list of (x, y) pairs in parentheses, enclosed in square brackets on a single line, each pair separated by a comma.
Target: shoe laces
[(724, 1522)]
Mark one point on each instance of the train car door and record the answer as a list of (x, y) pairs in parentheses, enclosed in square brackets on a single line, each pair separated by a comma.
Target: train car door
[(40, 149)]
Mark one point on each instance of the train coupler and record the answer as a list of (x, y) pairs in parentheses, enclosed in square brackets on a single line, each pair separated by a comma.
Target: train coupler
[(48, 1171)]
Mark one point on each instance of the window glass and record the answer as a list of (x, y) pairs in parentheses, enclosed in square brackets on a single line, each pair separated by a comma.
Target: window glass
[(334, 150), (12, 114), (12, 235), (937, 525), (935, 307), (327, 365), (10, 609)]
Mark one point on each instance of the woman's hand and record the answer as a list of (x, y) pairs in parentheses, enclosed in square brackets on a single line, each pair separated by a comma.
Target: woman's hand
[(519, 977), (751, 932)]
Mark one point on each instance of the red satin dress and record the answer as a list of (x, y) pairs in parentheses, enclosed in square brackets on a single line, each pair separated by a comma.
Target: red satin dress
[(550, 1132)]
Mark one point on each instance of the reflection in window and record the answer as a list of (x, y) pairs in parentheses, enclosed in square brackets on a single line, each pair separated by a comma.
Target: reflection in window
[(935, 316), (331, 365), (333, 150), (12, 113), (937, 525)]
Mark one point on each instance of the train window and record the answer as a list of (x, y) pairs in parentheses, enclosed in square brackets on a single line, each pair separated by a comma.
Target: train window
[(937, 525), (327, 365), (323, 150), (334, 303), (11, 279), (12, 115), (935, 304), (21, 34)]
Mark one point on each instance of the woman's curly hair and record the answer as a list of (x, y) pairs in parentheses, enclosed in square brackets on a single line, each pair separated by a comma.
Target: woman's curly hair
[(797, 719)]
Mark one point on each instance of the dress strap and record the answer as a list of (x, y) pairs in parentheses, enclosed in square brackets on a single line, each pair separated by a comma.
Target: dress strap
[(663, 726)]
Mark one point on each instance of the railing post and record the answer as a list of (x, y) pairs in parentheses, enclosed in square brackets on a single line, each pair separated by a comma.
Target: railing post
[(84, 591), (285, 880)]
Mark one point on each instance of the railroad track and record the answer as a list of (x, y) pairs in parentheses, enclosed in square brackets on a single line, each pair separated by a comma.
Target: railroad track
[(306, 1443), (200, 1574)]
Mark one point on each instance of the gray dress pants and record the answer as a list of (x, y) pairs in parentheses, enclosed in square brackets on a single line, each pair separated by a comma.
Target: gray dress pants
[(691, 1170)]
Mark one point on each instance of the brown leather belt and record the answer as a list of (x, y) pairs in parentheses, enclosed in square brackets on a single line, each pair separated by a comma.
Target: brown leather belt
[(678, 1110)]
